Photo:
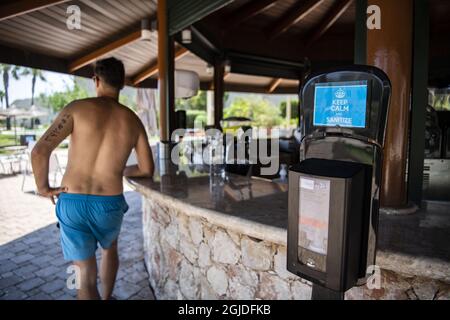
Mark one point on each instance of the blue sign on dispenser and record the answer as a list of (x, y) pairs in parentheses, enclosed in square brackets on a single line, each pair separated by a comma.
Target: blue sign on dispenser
[(340, 104)]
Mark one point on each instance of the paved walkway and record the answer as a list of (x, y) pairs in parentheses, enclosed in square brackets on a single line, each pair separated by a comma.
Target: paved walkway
[(31, 261)]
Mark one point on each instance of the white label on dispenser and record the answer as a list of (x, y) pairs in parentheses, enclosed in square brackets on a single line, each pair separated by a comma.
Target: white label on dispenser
[(314, 213), (307, 184)]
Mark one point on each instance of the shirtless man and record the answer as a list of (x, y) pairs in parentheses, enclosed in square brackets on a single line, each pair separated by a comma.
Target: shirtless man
[(90, 203)]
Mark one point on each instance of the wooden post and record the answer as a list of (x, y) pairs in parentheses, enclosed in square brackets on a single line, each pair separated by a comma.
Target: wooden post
[(419, 100), (390, 49), (166, 74), (360, 50), (219, 72)]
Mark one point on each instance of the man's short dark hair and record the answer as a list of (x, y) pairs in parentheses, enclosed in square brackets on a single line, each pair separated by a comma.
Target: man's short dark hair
[(111, 71)]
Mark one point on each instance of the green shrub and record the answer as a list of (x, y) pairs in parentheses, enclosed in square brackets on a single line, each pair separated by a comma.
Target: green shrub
[(294, 109), (261, 112), (191, 116)]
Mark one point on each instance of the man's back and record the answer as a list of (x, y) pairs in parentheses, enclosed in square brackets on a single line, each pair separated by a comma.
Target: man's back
[(91, 205), (103, 135)]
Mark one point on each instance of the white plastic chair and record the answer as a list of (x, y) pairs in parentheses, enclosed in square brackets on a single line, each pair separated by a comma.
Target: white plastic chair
[(26, 157), (53, 170), (6, 162)]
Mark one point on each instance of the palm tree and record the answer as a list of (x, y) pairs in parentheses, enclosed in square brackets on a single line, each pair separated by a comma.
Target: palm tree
[(35, 74), (8, 70), (2, 96)]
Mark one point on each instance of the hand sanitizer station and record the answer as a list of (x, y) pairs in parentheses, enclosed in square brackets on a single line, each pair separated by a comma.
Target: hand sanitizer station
[(334, 190)]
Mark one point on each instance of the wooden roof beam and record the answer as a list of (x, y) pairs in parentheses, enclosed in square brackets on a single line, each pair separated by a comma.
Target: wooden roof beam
[(245, 87), (247, 11), (153, 68), (331, 17), (20, 7), (274, 85), (145, 74), (118, 43), (295, 14)]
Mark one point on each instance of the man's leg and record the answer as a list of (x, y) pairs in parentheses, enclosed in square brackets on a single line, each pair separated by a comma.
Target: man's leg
[(108, 270), (88, 282)]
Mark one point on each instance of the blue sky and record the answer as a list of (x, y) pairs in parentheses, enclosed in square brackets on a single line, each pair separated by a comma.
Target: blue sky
[(21, 89)]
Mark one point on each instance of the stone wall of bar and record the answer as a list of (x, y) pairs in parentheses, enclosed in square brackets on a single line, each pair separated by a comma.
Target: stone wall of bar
[(189, 257)]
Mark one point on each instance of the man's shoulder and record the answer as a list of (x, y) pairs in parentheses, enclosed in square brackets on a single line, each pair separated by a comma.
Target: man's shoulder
[(76, 104), (79, 107), (81, 104), (84, 101), (127, 110)]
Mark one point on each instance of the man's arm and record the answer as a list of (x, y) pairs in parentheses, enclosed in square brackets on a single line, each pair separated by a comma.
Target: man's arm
[(145, 166), (40, 155)]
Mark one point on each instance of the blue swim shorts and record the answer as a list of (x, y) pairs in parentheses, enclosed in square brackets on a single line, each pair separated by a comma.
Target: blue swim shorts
[(87, 219)]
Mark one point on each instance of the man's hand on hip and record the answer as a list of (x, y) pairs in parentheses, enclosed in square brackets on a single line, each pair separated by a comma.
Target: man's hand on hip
[(52, 192)]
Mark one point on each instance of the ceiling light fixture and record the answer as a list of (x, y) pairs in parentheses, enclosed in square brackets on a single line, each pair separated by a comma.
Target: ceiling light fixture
[(227, 66), (186, 36), (146, 30), (209, 69)]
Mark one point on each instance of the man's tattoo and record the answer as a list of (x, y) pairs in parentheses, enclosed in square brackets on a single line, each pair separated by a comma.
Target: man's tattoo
[(55, 131)]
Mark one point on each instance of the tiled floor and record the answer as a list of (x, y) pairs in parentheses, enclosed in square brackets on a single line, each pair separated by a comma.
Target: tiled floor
[(31, 262), (425, 233)]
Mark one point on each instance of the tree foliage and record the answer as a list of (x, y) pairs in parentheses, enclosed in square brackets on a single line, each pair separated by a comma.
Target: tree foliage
[(58, 100), (193, 116), (195, 108), (2, 96), (128, 101), (35, 75), (294, 109), (8, 70), (259, 110), (197, 102)]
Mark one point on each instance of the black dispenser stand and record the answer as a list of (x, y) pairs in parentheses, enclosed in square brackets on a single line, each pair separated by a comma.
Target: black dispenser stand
[(322, 293), (344, 115)]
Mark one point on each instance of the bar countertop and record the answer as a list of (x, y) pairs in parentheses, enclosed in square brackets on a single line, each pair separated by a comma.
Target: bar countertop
[(259, 208), (252, 206)]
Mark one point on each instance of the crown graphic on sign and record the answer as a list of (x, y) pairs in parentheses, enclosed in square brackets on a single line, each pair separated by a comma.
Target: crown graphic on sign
[(340, 93)]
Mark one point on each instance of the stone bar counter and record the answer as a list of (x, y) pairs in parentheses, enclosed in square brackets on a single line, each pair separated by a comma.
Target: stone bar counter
[(213, 238)]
